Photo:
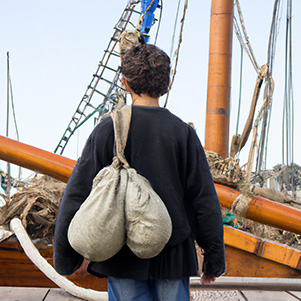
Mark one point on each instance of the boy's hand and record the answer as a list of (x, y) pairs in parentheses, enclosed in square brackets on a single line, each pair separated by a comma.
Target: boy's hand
[(207, 279)]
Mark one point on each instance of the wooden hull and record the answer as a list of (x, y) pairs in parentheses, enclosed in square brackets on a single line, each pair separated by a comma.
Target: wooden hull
[(16, 269), (246, 256), (250, 256), (245, 264)]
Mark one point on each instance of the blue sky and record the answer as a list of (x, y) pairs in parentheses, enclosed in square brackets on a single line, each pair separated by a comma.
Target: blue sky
[(55, 47)]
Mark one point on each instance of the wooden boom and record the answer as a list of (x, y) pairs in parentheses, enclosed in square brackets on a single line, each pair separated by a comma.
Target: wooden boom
[(258, 208), (36, 159)]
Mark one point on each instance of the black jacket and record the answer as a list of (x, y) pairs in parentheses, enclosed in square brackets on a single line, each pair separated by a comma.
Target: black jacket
[(167, 152)]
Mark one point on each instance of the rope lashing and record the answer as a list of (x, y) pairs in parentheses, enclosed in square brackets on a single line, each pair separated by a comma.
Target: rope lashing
[(240, 205)]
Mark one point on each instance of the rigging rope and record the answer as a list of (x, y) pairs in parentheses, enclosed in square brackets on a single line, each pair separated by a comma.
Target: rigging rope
[(13, 107), (15, 118), (159, 23), (177, 52), (240, 88), (174, 30), (262, 150), (247, 45), (288, 102), (264, 116)]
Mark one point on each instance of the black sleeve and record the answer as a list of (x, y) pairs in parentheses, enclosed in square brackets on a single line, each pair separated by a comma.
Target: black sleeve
[(97, 153), (201, 192)]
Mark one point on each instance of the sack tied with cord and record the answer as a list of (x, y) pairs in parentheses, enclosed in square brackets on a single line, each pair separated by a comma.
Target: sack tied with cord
[(122, 207)]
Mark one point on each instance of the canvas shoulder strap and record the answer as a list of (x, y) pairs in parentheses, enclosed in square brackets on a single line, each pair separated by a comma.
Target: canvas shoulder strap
[(121, 121)]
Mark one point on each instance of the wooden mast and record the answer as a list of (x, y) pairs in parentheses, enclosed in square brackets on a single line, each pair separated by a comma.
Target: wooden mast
[(219, 77)]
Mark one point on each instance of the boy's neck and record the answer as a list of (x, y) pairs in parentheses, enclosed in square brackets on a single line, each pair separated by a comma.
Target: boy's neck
[(145, 100)]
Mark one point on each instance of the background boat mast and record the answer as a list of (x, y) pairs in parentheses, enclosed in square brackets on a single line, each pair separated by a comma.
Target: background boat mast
[(7, 128), (219, 77)]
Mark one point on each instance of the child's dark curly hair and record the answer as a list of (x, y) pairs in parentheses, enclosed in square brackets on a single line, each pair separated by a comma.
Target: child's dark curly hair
[(147, 70)]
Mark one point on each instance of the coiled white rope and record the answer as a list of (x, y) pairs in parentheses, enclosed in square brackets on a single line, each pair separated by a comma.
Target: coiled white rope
[(35, 256)]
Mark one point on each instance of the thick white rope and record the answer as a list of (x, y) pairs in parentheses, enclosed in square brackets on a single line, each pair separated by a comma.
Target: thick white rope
[(35, 256)]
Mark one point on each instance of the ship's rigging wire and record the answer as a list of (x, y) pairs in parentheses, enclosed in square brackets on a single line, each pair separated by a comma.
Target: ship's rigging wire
[(246, 45), (240, 87), (239, 141), (273, 35), (174, 30), (11, 100), (159, 23), (13, 106), (288, 102), (14, 117), (7, 127), (177, 52), (264, 116), (263, 142)]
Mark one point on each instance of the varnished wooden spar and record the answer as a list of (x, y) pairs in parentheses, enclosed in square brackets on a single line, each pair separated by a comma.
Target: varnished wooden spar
[(263, 210), (219, 77), (36, 159), (259, 209)]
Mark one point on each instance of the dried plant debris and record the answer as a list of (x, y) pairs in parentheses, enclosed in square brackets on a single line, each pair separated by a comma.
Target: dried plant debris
[(224, 171), (36, 204)]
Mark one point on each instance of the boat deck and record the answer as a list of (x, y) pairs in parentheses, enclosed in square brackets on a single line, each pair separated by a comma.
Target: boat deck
[(8, 293), (232, 295), (224, 288), (56, 294)]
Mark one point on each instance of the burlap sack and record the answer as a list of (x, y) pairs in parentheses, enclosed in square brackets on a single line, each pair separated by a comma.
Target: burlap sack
[(148, 224), (97, 230), (122, 207)]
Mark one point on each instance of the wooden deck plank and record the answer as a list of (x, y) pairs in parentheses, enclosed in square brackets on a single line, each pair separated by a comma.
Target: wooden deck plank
[(216, 295), (22, 293), (297, 294), (57, 294), (268, 296)]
